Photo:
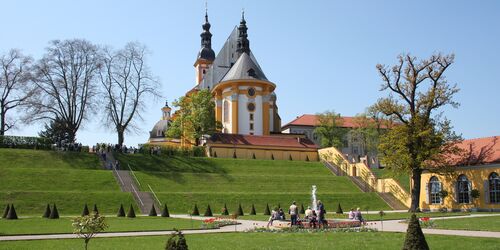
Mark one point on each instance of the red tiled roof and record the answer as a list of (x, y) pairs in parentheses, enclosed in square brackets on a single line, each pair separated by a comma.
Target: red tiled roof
[(256, 140), (479, 151), (312, 120)]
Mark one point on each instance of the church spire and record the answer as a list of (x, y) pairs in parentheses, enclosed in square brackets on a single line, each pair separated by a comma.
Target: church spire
[(243, 44), (206, 51)]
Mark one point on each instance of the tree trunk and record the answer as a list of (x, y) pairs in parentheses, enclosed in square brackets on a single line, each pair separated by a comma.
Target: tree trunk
[(2, 123), (415, 190), (120, 136)]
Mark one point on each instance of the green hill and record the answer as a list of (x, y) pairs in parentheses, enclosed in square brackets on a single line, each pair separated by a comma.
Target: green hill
[(182, 182), (32, 178)]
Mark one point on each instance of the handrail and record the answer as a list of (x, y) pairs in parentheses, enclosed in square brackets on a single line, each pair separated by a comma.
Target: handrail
[(119, 177), (135, 177), (136, 194), (154, 194)]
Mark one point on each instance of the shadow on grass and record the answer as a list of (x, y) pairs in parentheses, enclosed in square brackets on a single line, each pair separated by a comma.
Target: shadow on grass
[(172, 167)]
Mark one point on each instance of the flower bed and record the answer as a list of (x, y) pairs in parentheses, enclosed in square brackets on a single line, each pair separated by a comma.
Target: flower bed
[(215, 223)]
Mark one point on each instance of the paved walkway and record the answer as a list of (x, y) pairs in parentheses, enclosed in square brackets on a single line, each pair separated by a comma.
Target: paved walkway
[(397, 226), (389, 226)]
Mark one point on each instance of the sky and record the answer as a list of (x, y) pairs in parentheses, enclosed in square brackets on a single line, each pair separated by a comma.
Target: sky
[(320, 54)]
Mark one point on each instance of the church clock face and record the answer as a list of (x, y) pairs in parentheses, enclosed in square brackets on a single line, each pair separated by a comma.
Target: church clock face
[(251, 106), (251, 92)]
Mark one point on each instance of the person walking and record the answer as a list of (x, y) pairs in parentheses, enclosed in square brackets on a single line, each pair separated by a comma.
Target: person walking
[(274, 216), (293, 211), (321, 214)]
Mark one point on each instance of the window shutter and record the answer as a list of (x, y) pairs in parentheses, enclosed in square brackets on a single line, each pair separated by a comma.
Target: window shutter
[(427, 193), (441, 189), (486, 191)]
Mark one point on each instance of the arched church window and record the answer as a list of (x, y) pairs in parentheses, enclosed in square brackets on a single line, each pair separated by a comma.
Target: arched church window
[(494, 187), (226, 111), (434, 190), (463, 189)]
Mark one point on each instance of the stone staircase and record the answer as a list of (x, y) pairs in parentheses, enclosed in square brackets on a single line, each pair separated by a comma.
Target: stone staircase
[(394, 203), (128, 183)]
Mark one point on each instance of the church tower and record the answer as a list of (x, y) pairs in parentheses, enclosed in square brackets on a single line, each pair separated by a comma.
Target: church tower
[(206, 56), (245, 100)]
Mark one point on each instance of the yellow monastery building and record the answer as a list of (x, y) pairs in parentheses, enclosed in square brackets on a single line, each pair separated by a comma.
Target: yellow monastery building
[(473, 185)]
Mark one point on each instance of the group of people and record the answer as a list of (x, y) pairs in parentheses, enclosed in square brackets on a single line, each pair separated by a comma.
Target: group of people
[(315, 218), (356, 215)]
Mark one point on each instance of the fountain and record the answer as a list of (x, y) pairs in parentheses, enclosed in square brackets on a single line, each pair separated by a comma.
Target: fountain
[(313, 198)]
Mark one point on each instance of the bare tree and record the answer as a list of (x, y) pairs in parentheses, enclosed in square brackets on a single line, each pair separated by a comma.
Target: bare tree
[(65, 82), (15, 86), (127, 83)]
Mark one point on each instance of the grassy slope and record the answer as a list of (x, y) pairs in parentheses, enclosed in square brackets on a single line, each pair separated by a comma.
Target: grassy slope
[(33, 178), (383, 241), (182, 182), (403, 179), (63, 225), (480, 224)]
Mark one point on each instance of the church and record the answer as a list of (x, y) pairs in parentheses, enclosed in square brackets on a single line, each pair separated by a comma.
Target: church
[(245, 103)]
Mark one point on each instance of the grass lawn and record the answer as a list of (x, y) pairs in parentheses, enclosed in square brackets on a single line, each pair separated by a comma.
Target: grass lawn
[(63, 225), (402, 179), (181, 182), (481, 224), (32, 178), (231, 241)]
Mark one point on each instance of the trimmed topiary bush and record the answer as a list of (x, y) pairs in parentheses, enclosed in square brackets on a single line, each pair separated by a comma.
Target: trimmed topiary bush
[(224, 210), (6, 211), (290, 157), (165, 212), (131, 212), (267, 211), (54, 214), (176, 241), (12, 215), (95, 210), (46, 214), (152, 212), (302, 210), (195, 210), (85, 210), (121, 211), (208, 212), (415, 239), (339, 210), (252, 212), (240, 211)]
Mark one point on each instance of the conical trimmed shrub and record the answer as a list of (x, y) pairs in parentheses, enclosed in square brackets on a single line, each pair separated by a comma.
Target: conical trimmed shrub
[(290, 157), (208, 212), (6, 211), (267, 211), (253, 156), (272, 157), (131, 212), (234, 155), (46, 214), (225, 211), (164, 212), (95, 210), (302, 210), (240, 211), (121, 211), (195, 210), (415, 239), (215, 154), (252, 212), (54, 214), (85, 210), (152, 212), (339, 210), (12, 215)]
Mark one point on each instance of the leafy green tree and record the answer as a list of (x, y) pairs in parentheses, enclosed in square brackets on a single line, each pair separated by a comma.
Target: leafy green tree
[(86, 227), (176, 241), (417, 89), (330, 130), (195, 116)]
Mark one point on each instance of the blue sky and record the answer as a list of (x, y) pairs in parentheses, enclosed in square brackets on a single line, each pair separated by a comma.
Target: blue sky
[(320, 54)]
